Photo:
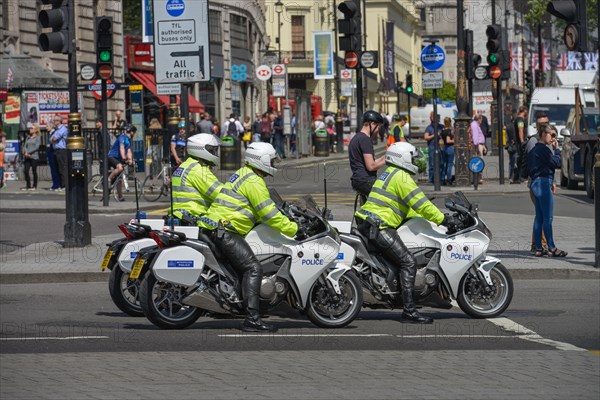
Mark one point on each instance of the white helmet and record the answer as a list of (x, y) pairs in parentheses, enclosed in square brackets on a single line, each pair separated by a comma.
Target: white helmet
[(261, 156), (400, 154), (204, 146)]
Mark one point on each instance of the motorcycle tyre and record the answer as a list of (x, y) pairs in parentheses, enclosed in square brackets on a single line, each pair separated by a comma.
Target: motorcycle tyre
[(116, 294), (470, 311), (147, 303), (357, 298)]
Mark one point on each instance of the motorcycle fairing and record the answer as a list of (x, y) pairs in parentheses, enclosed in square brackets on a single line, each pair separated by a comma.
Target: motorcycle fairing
[(485, 266), (180, 265), (130, 250)]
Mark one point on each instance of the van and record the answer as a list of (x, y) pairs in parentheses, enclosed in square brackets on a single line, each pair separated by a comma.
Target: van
[(557, 103), (419, 118)]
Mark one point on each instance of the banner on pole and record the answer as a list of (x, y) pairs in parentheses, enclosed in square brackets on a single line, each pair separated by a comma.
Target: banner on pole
[(324, 55)]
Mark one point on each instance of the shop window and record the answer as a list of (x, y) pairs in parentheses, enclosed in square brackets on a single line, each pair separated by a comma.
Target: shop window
[(298, 42), (214, 25)]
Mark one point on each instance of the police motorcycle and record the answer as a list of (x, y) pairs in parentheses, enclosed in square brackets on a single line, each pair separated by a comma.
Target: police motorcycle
[(189, 277), (451, 265)]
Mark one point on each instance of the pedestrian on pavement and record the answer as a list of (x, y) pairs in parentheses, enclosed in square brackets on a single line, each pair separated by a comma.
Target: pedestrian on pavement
[(361, 155), (31, 156), (58, 141), (2, 147), (477, 135), (118, 123), (178, 145), (256, 128), (293, 136), (233, 127), (519, 123), (394, 195), (511, 147), (247, 137), (266, 128), (448, 148), (429, 136), (243, 202), (487, 133), (216, 127), (278, 138), (542, 165)]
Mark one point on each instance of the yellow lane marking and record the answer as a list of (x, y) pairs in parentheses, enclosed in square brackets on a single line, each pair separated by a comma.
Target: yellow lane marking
[(595, 352)]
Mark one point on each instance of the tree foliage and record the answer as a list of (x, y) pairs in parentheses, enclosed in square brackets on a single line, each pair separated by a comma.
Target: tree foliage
[(132, 17), (447, 93)]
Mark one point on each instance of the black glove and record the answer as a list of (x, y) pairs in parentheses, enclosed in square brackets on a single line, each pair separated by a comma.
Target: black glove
[(450, 222), (301, 234), (313, 227)]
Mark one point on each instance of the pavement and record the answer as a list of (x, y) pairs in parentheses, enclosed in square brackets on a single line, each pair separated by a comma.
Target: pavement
[(50, 262)]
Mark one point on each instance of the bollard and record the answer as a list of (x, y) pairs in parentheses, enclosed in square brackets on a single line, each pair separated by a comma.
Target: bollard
[(321, 143), (596, 187)]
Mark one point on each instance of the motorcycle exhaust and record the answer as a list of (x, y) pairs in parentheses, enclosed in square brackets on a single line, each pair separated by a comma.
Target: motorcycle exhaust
[(205, 299)]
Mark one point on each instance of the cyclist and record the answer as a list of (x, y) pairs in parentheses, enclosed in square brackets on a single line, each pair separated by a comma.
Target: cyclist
[(195, 186), (120, 153), (178, 145), (243, 202), (394, 196)]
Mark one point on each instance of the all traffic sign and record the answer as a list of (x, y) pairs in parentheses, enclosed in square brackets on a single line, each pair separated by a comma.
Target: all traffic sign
[(351, 59)]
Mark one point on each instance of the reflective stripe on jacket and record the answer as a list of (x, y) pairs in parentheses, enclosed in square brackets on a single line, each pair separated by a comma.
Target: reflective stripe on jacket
[(244, 202), (393, 197), (195, 187)]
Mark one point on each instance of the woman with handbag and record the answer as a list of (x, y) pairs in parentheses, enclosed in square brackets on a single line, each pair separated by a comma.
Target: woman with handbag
[(31, 156), (247, 136)]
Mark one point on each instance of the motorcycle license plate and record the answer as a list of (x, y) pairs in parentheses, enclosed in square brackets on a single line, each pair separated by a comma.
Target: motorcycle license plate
[(137, 268), (106, 259)]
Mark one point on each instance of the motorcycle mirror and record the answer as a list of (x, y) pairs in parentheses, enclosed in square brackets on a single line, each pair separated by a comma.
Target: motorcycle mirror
[(449, 204)]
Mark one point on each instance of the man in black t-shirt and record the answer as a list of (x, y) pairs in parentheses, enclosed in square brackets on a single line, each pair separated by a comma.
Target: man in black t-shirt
[(361, 155)]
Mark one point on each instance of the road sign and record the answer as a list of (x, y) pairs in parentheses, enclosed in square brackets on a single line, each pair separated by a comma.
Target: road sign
[(105, 72), (346, 74), (263, 72), (433, 80), (278, 87), (346, 88), (367, 59), (96, 88), (181, 41), (476, 165), (278, 70), (495, 72), (481, 72), (433, 57), (88, 72), (351, 59), (168, 89)]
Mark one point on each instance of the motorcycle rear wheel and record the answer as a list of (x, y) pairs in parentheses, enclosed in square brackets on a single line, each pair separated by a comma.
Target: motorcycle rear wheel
[(161, 304), (124, 292), (327, 312), (479, 305)]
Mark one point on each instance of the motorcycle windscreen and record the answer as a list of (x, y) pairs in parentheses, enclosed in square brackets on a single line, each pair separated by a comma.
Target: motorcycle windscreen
[(178, 265), (130, 251)]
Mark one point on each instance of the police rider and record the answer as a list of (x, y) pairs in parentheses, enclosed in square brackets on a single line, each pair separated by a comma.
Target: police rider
[(195, 187), (362, 154), (393, 196), (244, 202)]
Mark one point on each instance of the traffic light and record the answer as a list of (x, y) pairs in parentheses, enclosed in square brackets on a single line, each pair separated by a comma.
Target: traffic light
[(528, 82), (409, 83), (573, 12), (473, 61), (350, 25), (57, 18), (494, 44), (104, 47)]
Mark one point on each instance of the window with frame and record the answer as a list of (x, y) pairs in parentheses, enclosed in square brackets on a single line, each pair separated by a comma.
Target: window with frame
[(298, 42), (214, 26), (238, 31)]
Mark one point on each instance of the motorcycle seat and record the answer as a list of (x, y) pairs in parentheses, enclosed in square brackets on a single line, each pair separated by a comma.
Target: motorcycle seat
[(206, 239), (370, 247)]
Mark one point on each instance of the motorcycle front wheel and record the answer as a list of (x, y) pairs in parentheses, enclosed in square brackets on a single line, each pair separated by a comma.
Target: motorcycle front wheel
[(479, 301), (161, 303), (335, 311), (124, 292)]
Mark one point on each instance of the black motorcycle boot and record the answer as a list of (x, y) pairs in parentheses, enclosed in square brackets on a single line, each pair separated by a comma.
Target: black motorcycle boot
[(410, 315), (253, 322)]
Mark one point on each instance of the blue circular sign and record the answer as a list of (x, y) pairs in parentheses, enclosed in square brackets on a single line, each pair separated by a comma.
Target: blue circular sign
[(476, 165), (175, 7), (433, 57)]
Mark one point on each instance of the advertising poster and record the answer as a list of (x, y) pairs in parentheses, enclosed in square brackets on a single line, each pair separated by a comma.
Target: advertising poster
[(41, 107), (324, 55), (12, 109), (147, 22), (388, 58)]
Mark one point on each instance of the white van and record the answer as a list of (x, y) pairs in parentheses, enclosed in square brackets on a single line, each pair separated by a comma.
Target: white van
[(419, 118), (556, 102)]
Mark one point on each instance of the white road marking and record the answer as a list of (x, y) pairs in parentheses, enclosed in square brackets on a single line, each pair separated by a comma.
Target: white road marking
[(56, 338), (527, 334), (285, 335)]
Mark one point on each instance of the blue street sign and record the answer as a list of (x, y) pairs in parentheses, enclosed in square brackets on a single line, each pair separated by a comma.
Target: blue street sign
[(433, 57), (239, 72), (476, 165)]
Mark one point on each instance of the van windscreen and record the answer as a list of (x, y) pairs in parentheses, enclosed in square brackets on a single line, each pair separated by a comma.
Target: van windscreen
[(557, 113)]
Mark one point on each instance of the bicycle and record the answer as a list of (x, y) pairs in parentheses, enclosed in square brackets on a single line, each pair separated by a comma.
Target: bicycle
[(157, 184), (95, 184)]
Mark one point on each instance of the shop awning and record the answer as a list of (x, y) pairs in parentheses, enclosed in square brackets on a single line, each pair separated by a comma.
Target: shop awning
[(147, 79)]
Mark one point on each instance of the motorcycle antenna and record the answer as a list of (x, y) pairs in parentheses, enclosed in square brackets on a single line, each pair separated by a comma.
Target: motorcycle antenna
[(171, 196), (137, 199), (325, 182)]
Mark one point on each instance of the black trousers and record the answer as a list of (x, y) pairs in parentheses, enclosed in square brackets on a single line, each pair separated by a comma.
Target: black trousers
[(61, 158), (393, 250), (363, 186), (238, 252), (28, 164)]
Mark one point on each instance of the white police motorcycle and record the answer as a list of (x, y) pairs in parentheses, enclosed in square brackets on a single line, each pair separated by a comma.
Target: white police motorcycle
[(188, 277), (450, 265)]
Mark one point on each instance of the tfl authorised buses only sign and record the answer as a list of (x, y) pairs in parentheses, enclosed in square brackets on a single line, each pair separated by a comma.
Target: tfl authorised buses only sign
[(181, 40)]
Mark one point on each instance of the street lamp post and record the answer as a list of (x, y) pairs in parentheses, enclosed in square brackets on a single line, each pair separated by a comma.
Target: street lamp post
[(279, 10)]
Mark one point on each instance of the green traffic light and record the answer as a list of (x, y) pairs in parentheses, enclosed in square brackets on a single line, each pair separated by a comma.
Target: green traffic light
[(409, 89), (104, 55)]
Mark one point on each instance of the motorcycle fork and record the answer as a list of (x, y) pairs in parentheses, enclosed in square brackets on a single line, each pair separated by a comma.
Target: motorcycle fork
[(329, 287)]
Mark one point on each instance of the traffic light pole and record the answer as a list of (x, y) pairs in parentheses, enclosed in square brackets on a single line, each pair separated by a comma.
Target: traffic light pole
[(462, 103), (77, 229), (105, 143)]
